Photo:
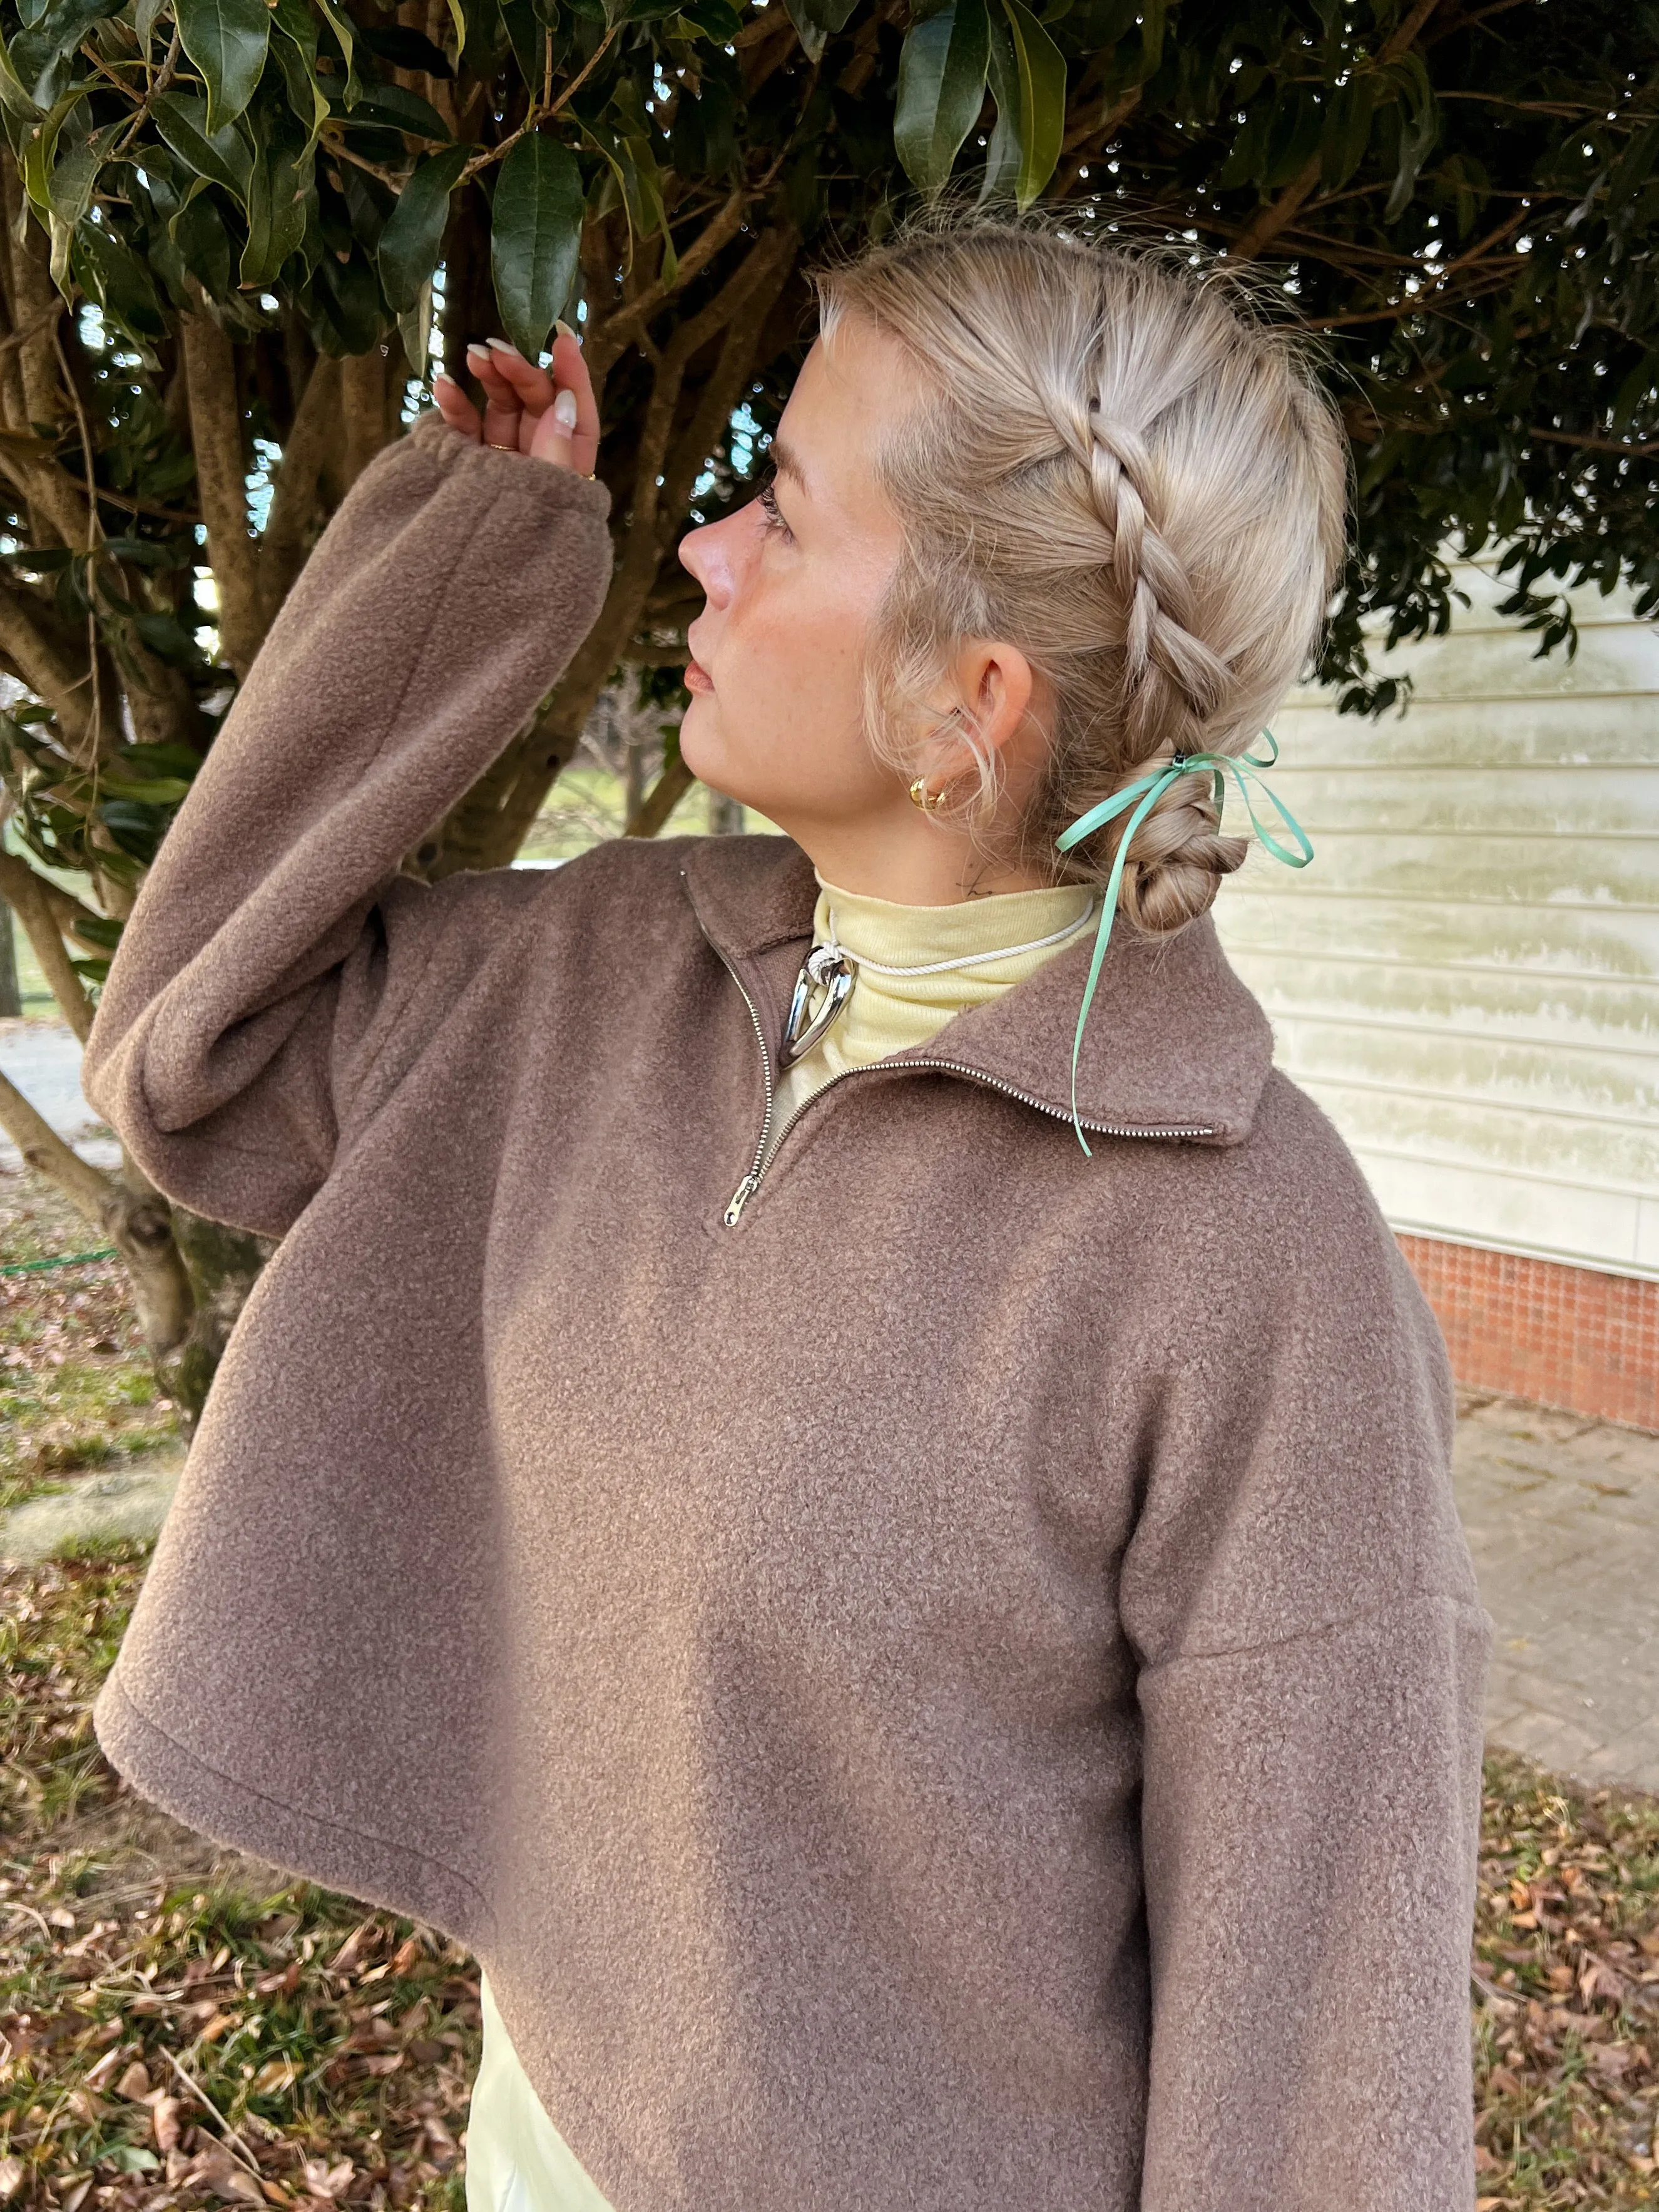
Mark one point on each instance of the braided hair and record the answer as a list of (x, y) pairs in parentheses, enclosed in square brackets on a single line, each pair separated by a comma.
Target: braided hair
[(1116, 463)]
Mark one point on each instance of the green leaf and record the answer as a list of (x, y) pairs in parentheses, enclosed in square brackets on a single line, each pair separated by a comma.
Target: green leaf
[(144, 21), (203, 243), (1419, 131), (277, 189), (815, 21), (407, 50), (42, 57), (414, 233), (941, 89), (113, 274), (1002, 153), (13, 96), (707, 19), (535, 232), (396, 109), (227, 41), (69, 190), (295, 51), (529, 35), (38, 156), (224, 157), (340, 23), (1041, 69), (414, 329)]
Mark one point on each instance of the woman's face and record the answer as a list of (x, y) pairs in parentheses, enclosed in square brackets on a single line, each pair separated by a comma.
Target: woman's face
[(776, 715), (776, 718)]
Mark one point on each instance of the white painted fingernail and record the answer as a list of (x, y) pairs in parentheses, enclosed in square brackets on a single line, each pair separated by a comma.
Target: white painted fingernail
[(501, 345), (565, 330), (564, 411)]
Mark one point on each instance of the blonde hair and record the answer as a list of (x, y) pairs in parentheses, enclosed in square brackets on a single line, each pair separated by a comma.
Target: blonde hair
[(1116, 464)]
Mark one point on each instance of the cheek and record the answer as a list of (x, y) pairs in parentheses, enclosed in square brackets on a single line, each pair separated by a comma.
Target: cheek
[(791, 669)]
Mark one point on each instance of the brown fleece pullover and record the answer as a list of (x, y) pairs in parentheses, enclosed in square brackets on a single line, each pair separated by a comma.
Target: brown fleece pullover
[(953, 1685)]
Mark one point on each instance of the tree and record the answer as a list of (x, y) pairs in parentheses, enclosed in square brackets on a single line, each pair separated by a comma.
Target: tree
[(231, 226)]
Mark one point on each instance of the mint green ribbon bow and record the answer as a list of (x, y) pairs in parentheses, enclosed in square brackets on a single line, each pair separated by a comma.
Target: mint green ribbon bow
[(1148, 789)]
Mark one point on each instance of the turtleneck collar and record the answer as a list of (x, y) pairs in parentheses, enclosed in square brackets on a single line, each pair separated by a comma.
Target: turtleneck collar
[(1175, 1042)]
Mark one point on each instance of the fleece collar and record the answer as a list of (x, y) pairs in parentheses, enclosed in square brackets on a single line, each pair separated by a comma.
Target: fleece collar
[(1175, 1045)]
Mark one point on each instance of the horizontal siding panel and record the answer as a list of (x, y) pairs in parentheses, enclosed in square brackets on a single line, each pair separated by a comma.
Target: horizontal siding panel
[(1269, 910), (1444, 735), (1478, 801), (1477, 1205), (1467, 976), (1478, 1133), (1483, 1073), (1573, 872), (1619, 657), (1570, 1013)]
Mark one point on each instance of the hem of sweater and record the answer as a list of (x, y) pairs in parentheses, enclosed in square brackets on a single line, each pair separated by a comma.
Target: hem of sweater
[(247, 1819)]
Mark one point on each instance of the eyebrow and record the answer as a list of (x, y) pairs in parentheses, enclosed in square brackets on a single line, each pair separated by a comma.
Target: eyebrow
[(787, 463)]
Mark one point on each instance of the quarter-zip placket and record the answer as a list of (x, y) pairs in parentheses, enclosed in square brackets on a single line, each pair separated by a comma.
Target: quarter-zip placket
[(764, 1157)]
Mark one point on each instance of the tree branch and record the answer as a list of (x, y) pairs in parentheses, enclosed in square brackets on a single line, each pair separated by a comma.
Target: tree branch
[(86, 1187), (659, 802), (45, 665), (215, 425), (24, 893), (1267, 222), (606, 338), (305, 450)]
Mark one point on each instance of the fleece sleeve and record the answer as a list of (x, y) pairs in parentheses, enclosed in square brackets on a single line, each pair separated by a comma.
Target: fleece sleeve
[(1315, 1657), (274, 939)]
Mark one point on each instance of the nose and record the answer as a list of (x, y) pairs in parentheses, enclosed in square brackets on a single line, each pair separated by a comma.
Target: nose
[(707, 552)]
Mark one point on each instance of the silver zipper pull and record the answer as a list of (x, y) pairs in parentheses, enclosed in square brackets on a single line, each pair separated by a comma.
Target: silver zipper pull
[(740, 1198)]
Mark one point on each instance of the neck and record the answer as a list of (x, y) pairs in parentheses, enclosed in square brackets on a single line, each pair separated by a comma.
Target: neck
[(911, 863)]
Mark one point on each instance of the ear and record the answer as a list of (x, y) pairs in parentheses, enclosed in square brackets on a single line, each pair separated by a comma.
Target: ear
[(1000, 697)]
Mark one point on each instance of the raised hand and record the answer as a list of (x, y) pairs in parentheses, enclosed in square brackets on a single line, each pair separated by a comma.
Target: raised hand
[(548, 416)]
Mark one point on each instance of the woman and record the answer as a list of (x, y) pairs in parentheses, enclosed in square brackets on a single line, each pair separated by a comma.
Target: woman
[(882, 1551)]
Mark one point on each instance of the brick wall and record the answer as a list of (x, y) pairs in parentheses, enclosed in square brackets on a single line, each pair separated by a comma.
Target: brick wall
[(1558, 1336)]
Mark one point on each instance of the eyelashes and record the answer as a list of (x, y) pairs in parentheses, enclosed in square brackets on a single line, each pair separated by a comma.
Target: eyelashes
[(768, 499)]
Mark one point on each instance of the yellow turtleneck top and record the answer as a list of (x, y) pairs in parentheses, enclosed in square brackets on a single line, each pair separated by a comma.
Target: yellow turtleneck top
[(516, 2159)]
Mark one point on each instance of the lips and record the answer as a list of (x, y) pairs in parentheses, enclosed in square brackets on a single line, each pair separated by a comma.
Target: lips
[(697, 678)]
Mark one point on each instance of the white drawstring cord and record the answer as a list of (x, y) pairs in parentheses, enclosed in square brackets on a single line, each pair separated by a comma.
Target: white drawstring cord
[(968, 959)]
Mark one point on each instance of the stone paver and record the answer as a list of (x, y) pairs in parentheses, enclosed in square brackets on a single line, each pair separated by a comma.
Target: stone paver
[(106, 1503), (1562, 1516)]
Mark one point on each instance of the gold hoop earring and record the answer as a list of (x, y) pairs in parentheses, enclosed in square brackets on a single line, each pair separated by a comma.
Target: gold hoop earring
[(929, 801)]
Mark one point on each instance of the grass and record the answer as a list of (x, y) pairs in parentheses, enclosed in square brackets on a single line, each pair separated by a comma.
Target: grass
[(76, 1389), (181, 2026)]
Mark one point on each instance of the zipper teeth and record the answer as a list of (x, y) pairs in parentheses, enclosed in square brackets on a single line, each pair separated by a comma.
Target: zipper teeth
[(976, 1075), (751, 1182)]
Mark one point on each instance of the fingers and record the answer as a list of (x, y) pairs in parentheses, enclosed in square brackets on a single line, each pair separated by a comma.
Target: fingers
[(456, 409), (551, 415), (502, 407)]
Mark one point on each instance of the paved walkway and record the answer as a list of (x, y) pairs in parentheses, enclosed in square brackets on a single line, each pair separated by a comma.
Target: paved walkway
[(1563, 1519), (43, 1058)]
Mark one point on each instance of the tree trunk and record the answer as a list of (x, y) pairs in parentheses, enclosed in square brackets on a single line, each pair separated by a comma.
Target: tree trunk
[(11, 996)]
